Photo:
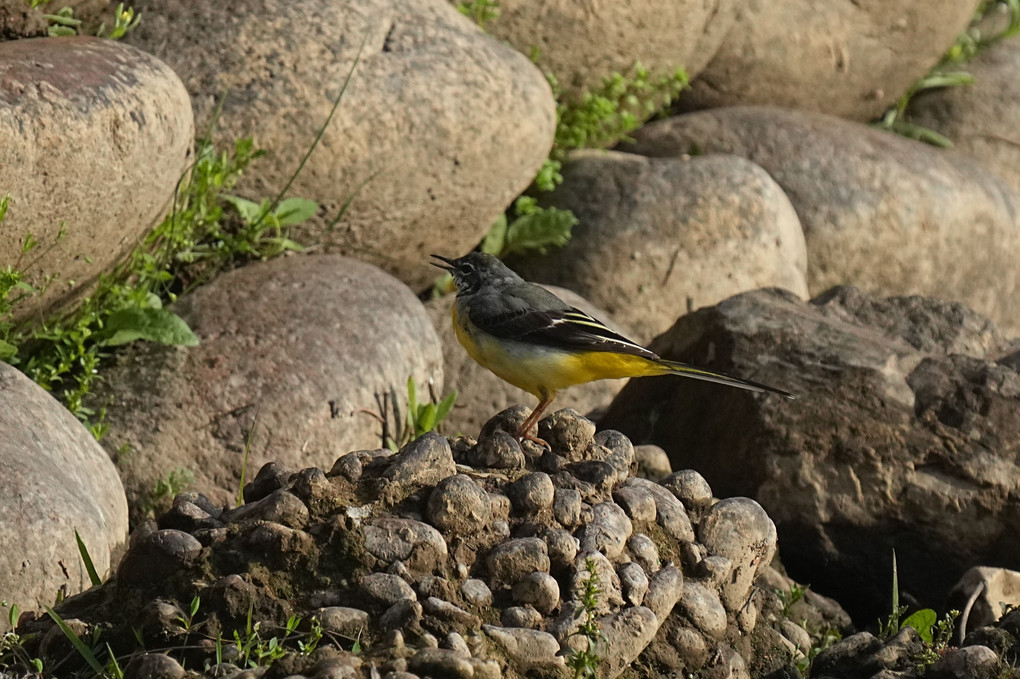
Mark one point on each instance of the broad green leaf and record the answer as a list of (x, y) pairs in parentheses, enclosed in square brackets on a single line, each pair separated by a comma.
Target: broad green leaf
[(922, 621), (250, 212), (540, 230), (445, 406), (154, 325), (295, 210), (7, 350)]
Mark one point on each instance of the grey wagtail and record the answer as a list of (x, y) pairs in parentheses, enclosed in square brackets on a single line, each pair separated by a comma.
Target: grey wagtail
[(532, 339)]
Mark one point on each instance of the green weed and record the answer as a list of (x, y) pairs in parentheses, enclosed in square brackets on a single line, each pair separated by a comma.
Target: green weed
[(13, 656), (585, 663), (166, 489), (64, 23), (421, 417), (480, 11)]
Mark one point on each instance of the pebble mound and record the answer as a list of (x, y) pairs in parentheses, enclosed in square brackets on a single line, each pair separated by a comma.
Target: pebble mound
[(463, 558)]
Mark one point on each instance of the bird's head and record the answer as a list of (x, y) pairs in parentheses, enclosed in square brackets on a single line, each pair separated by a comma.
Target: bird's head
[(474, 271)]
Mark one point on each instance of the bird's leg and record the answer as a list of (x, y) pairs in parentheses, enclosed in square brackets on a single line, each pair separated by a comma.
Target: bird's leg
[(532, 420)]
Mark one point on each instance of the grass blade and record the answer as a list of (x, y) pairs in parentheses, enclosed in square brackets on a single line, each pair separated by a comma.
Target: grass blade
[(76, 641), (85, 557)]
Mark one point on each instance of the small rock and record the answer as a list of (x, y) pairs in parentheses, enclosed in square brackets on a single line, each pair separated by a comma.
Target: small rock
[(567, 507), (617, 450), (690, 646), (652, 462), (608, 530), (384, 590), (311, 485), (670, 512), (201, 501), (346, 622), (513, 559), (644, 551), (444, 610), (521, 616), (440, 662), (665, 587), (458, 505), (740, 530), (627, 634), (279, 506), (702, 607), (845, 656), (965, 663), (153, 666), (633, 583), (606, 580), (348, 466), (425, 461), (530, 650), (562, 547), (433, 585), (532, 493), (498, 450), (271, 476), (690, 488), (158, 556), (797, 635), (715, 568), (538, 589), (456, 643), (403, 615), (187, 517), (476, 592), (568, 433), (637, 502), (415, 543)]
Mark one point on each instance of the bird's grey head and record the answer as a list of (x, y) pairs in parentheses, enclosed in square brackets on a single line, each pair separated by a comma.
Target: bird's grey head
[(475, 271)]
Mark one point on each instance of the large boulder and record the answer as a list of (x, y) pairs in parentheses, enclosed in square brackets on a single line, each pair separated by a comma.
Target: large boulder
[(305, 352), (848, 59), (440, 127), (583, 43), (904, 434), (891, 215), (82, 120), (660, 235), (57, 480)]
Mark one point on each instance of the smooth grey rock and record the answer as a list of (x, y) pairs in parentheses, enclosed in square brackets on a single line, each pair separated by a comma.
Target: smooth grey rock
[(608, 530), (528, 649), (644, 551), (403, 615), (702, 606), (562, 547), (458, 505), (347, 622), (420, 546), (633, 583), (57, 479), (476, 592), (425, 461), (740, 530), (279, 506), (157, 556), (962, 663), (384, 589), (521, 616), (665, 588), (652, 462), (445, 610), (627, 634), (456, 643), (532, 493), (512, 560), (690, 488), (538, 589), (669, 512), (637, 502), (567, 506)]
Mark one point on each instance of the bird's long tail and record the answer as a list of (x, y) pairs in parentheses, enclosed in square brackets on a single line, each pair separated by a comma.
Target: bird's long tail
[(676, 368)]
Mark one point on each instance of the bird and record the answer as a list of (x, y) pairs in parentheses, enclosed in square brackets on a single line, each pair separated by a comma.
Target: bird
[(529, 337)]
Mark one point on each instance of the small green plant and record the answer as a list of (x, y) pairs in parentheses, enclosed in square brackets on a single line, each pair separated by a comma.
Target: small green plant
[(421, 417), (480, 11), (64, 23), (187, 620), (533, 228), (945, 73), (124, 21), (167, 488), (585, 663), (13, 655)]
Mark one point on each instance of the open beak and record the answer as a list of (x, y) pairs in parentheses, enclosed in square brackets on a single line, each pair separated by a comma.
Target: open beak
[(447, 264)]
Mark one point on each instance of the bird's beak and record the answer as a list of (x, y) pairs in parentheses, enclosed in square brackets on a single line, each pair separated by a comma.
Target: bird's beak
[(447, 263)]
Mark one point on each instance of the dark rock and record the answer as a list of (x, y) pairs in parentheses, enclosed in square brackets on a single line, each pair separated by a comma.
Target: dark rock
[(279, 506), (153, 666), (158, 556), (271, 476), (567, 506), (532, 492)]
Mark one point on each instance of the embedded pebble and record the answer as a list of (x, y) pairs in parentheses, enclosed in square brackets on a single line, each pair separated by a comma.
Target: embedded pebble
[(568, 432), (348, 466), (521, 616), (637, 502), (617, 450), (633, 583), (476, 592), (531, 650), (458, 505), (279, 506), (608, 530), (405, 614), (539, 590), (344, 621), (602, 475), (665, 587), (498, 450), (740, 530), (690, 488), (690, 645), (513, 559), (433, 585), (275, 539), (627, 633), (702, 607), (153, 666), (158, 555), (271, 477), (567, 507), (383, 589), (796, 634), (562, 547), (969, 661), (311, 485), (440, 662), (392, 539), (670, 512), (425, 461), (644, 551), (456, 643), (715, 568), (199, 500), (444, 610), (188, 517), (652, 462), (532, 492), (606, 579)]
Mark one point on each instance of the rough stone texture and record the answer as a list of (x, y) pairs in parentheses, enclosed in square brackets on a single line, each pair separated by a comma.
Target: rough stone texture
[(480, 393), (56, 480), (658, 236), (297, 345), (903, 418), (82, 120), (739, 530), (512, 560), (531, 649), (980, 593), (581, 44), (18, 19), (431, 103), (980, 119), (848, 59), (888, 214), (423, 462), (459, 505)]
